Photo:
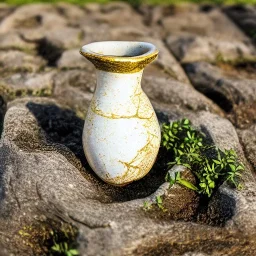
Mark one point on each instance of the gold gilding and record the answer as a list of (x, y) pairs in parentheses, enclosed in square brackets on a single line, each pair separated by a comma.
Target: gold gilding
[(118, 64)]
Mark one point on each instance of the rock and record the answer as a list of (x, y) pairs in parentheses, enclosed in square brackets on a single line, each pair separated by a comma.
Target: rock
[(203, 22), (13, 61), (65, 37), (191, 48), (111, 12), (75, 88), (41, 145), (165, 64), (71, 59), (248, 140), (244, 16), (5, 10), (173, 93), (14, 41), (33, 17), (73, 13), (20, 84), (229, 93)]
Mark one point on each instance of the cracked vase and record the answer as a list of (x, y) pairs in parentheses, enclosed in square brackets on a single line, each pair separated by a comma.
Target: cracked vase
[(121, 135)]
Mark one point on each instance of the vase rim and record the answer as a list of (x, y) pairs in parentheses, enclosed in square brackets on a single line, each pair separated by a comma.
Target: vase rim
[(120, 56)]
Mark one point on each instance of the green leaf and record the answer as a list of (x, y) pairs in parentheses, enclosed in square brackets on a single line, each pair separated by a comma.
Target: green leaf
[(74, 252), (159, 200), (233, 168), (186, 121), (216, 161), (187, 184)]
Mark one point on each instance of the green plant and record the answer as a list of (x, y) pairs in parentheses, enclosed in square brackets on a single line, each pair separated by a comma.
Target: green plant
[(147, 206), (159, 203), (62, 247), (210, 165), (50, 238)]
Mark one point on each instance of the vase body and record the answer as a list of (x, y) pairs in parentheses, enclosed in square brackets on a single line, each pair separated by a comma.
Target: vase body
[(121, 135)]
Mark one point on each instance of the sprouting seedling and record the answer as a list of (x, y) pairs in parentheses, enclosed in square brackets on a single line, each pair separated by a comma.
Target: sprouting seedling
[(147, 206), (159, 203)]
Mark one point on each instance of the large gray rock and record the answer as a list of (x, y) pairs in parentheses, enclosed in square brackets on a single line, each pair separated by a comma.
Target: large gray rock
[(203, 21), (71, 59), (13, 40), (5, 9), (33, 17), (245, 17), (20, 85), (188, 47), (74, 88), (44, 173), (14, 61), (248, 139), (233, 94), (178, 94), (165, 65)]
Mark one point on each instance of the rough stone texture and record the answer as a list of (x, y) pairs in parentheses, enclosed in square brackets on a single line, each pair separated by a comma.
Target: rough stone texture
[(190, 48), (175, 93), (33, 16), (245, 17), (230, 93), (27, 84), (73, 59), (13, 40), (202, 21), (33, 148), (205, 33), (248, 140), (43, 171), (15, 61)]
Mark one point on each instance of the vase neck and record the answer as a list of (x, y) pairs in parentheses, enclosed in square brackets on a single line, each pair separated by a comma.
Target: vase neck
[(118, 84)]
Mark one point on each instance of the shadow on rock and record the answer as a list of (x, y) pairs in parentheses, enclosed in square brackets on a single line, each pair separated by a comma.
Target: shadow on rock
[(62, 126), (2, 113), (217, 211)]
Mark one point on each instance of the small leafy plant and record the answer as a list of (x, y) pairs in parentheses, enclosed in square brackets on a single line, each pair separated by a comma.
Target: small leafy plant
[(159, 203), (61, 247), (210, 165), (50, 238)]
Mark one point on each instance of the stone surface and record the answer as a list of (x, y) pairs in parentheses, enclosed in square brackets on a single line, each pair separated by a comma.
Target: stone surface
[(13, 40), (202, 21), (189, 48), (17, 61), (46, 87), (19, 85), (33, 16), (230, 93), (248, 140), (73, 59), (175, 93), (46, 167), (245, 17), (165, 63), (75, 88)]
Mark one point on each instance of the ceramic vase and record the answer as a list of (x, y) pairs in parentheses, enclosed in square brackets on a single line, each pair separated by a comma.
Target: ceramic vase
[(121, 135)]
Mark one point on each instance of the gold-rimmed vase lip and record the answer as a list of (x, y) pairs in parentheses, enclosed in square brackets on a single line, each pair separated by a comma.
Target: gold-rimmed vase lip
[(120, 56)]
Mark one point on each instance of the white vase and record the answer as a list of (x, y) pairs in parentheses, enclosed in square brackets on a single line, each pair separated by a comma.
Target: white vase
[(121, 136)]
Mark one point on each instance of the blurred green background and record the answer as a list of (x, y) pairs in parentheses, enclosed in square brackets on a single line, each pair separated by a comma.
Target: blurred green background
[(132, 2)]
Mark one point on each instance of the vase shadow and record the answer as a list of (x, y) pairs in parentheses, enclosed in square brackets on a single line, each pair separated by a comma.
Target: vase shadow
[(62, 126)]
